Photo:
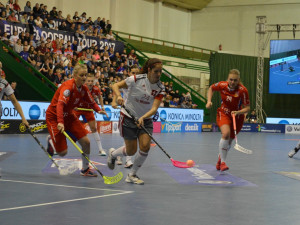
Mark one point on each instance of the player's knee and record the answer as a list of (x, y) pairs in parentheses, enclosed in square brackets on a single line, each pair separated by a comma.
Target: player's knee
[(226, 135), (145, 147)]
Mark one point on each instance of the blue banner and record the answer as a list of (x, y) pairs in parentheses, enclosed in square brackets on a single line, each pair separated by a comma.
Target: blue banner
[(10, 27), (191, 127), (171, 127)]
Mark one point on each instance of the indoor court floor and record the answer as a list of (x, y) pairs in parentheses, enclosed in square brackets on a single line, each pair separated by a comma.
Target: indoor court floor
[(262, 188)]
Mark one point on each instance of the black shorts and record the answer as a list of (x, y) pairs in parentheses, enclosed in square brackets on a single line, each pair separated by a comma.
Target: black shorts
[(129, 130)]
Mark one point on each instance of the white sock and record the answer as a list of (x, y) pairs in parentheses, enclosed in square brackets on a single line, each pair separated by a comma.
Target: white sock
[(223, 148), (97, 138), (85, 162), (51, 143), (119, 152), (128, 158), (138, 161)]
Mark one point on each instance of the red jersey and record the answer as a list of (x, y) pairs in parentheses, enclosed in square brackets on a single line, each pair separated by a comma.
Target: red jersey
[(67, 97), (95, 92), (232, 99)]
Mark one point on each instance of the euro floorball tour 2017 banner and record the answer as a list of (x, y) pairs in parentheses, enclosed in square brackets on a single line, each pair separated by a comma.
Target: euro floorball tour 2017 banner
[(87, 41)]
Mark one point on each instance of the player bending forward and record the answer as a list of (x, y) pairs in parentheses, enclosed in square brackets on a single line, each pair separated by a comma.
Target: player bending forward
[(235, 100), (294, 151), (145, 93), (60, 117), (88, 116)]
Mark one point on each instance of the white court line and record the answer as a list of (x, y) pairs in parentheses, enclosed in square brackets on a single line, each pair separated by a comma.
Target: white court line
[(65, 201), (60, 185), (60, 202)]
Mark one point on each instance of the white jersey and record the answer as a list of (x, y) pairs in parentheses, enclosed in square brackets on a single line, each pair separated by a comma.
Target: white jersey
[(141, 94), (4, 88)]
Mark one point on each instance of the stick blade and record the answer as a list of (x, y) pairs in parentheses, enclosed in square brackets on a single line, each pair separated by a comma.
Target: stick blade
[(180, 164), (242, 149), (113, 180)]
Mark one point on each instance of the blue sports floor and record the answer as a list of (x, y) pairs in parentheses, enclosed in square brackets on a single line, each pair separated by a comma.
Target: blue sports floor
[(252, 192)]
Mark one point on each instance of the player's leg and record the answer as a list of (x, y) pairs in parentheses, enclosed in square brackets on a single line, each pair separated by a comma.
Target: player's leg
[(78, 132), (224, 122), (142, 154), (92, 124), (294, 151), (56, 141)]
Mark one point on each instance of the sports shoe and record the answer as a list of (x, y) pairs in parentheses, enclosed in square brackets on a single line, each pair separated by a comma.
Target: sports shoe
[(224, 167), (88, 173), (134, 179), (102, 152), (128, 164), (119, 160), (50, 149), (218, 165), (110, 159), (293, 152)]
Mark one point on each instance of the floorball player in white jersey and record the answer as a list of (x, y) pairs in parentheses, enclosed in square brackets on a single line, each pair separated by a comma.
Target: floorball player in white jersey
[(133, 70), (145, 93)]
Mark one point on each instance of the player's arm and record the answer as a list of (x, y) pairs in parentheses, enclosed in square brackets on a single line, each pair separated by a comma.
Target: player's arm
[(210, 93), (150, 113), (18, 107), (116, 89)]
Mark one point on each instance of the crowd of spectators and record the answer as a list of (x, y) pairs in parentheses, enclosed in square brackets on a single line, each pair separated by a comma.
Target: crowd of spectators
[(55, 59)]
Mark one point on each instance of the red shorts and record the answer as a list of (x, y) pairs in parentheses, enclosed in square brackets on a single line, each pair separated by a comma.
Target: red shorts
[(223, 118), (73, 127), (87, 116)]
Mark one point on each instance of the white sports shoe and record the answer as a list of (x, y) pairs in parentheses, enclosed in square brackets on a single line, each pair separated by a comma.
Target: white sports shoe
[(128, 164), (102, 152), (134, 179), (110, 159), (292, 153), (119, 160)]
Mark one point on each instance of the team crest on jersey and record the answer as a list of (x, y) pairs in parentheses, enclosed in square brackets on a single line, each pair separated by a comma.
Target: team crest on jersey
[(67, 93), (216, 84), (236, 94)]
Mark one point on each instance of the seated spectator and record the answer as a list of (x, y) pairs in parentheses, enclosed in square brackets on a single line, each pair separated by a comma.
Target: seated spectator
[(108, 26), (97, 22), (53, 13), (16, 7), (184, 104), (89, 31), (45, 23), (188, 97), (90, 21), (51, 24), (27, 7), (75, 17), (24, 18), (24, 54), (174, 103), (110, 36), (37, 11), (112, 72), (109, 99), (60, 16), (83, 17), (63, 26), (12, 18), (69, 21), (18, 47), (68, 69), (3, 15), (103, 25), (14, 38), (45, 12), (38, 22), (253, 117)]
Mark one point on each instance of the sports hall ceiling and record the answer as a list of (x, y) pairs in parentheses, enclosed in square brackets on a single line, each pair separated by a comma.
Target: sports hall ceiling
[(188, 4)]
